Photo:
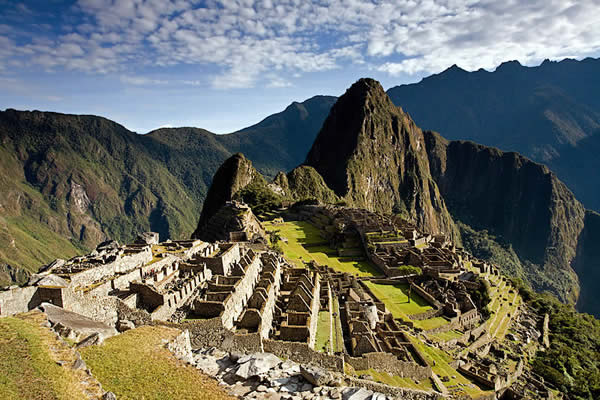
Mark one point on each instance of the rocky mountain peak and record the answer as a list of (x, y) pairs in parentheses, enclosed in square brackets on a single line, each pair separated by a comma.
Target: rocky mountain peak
[(373, 156), (232, 176)]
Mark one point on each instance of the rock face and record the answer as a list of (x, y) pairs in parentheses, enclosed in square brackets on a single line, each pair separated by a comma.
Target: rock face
[(373, 156), (232, 176), (587, 264), (230, 218), (516, 198)]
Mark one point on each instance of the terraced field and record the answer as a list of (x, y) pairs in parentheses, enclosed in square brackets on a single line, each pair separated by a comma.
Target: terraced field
[(301, 242), (395, 298)]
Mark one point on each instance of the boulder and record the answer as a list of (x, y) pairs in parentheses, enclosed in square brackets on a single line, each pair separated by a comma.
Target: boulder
[(256, 364), (379, 396), (107, 246), (125, 325), (356, 394), (315, 375), (79, 364), (147, 238), (91, 340), (109, 396)]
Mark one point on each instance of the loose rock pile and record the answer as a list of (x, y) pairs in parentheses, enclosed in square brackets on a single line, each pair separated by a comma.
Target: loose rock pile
[(265, 376)]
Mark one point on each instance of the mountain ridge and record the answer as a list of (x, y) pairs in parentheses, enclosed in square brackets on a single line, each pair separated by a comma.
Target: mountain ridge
[(544, 112)]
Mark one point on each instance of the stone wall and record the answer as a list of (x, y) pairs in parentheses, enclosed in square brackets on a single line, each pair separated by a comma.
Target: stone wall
[(181, 347), (221, 265), (396, 392), (206, 332), (266, 322), (314, 313), (18, 300), (303, 354), (242, 292), (174, 300), (98, 308), (122, 264), (435, 312), (426, 296), (385, 362), (243, 343)]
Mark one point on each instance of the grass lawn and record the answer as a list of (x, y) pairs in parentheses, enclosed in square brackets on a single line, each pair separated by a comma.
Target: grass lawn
[(304, 243), (323, 332), (136, 365), (395, 298), (29, 368), (446, 336), (431, 323)]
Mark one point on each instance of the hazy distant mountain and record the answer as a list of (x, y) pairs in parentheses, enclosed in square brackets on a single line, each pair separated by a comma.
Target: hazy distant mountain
[(550, 113)]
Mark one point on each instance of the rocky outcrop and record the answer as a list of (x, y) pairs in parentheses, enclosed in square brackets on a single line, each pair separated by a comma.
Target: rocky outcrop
[(233, 221), (373, 156), (232, 176), (517, 199)]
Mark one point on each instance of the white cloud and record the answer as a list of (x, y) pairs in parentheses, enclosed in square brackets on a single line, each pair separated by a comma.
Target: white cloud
[(241, 42), (142, 81)]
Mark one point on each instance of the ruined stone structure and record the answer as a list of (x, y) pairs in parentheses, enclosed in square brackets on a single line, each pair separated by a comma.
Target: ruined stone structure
[(241, 296)]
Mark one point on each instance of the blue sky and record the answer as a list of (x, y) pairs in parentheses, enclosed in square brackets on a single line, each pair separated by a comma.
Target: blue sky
[(224, 65)]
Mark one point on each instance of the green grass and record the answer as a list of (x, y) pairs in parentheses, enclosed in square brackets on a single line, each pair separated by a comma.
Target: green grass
[(136, 365), (395, 298), (323, 332), (394, 380), (440, 364), (28, 368), (304, 243), (431, 323), (446, 336)]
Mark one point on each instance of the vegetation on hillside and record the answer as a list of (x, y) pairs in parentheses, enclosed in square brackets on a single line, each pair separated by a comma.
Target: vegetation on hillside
[(572, 363)]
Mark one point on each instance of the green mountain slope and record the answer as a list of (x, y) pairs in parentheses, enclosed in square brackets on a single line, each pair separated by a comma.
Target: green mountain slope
[(70, 181)]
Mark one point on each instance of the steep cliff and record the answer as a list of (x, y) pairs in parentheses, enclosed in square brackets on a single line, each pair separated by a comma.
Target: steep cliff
[(235, 174), (517, 199), (373, 156), (546, 113), (587, 264)]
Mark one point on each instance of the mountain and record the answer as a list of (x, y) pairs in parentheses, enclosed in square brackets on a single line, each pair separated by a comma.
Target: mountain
[(71, 181), (373, 156), (517, 199), (232, 176), (549, 113), (280, 141)]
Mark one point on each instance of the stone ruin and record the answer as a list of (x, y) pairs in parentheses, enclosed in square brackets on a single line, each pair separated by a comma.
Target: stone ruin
[(238, 295)]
